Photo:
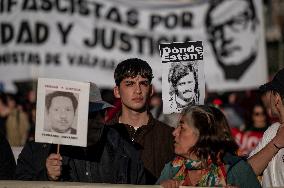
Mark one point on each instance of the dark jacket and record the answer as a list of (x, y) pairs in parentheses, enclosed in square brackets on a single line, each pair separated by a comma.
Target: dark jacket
[(154, 140), (110, 160), (239, 172), (7, 160)]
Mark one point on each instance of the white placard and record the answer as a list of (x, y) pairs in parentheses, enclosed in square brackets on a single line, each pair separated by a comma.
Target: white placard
[(62, 112), (183, 82)]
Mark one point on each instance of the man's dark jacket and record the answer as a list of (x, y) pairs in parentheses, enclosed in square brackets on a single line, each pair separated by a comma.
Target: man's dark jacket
[(154, 140), (7, 160), (110, 160)]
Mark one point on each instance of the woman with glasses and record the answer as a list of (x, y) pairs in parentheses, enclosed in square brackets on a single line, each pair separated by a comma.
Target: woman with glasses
[(258, 120)]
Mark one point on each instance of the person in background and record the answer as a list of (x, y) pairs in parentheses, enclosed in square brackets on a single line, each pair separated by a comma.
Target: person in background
[(267, 157), (32, 121), (108, 158), (156, 106), (205, 153), (258, 120), (256, 124), (17, 123), (29, 106), (134, 122), (7, 160), (4, 112), (233, 111)]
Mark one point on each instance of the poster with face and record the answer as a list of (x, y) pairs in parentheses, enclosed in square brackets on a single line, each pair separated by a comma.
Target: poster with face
[(183, 81), (233, 30), (62, 112)]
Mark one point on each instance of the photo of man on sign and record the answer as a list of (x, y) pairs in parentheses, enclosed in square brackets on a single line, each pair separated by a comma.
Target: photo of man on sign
[(184, 84), (61, 110)]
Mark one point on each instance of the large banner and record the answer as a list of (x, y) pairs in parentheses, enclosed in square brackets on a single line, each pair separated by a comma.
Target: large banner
[(84, 40)]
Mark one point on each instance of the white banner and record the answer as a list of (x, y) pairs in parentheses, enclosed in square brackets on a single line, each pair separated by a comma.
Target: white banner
[(84, 40)]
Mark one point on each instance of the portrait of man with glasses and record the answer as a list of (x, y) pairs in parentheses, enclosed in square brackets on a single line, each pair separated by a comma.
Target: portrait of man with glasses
[(232, 29)]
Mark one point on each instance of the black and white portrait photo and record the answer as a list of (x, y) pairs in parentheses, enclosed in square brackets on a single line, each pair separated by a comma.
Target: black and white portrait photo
[(232, 27), (184, 84), (61, 112)]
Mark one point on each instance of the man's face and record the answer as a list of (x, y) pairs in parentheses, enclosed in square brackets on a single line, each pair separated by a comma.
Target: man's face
[(134, 93), (61, 114), (273, 99), (234, 38), (185, 87)]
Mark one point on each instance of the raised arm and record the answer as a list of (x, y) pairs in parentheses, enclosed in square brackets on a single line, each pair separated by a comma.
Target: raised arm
[(260, 160)]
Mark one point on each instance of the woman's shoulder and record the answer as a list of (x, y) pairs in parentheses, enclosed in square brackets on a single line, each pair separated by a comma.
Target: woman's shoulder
[(239, 172), (167, 173), (236, 165)]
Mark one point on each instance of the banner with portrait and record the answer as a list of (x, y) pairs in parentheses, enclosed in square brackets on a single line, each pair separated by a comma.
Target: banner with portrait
[(62, 112), (183, 82), (76, 40)]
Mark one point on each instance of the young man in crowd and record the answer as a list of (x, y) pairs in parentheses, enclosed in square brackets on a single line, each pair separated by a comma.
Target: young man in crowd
[(268, 157), (153, 138), (108, 158)]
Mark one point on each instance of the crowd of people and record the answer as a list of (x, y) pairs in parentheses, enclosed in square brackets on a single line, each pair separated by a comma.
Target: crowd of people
[(127, 144)]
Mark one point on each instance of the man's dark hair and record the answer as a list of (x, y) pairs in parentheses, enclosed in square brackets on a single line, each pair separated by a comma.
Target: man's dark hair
[(132, 68), (50, 96), (178, 71)]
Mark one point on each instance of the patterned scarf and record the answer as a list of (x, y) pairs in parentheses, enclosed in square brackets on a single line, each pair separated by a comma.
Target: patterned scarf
[(212, 176)]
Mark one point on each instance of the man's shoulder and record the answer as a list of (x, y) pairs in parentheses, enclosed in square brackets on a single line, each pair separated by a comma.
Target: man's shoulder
[(268, 135), (162, 126), (33, 144), (37, 146), (274, 126), (271, 130), (161, 131), (120, 144), (32, 148)]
